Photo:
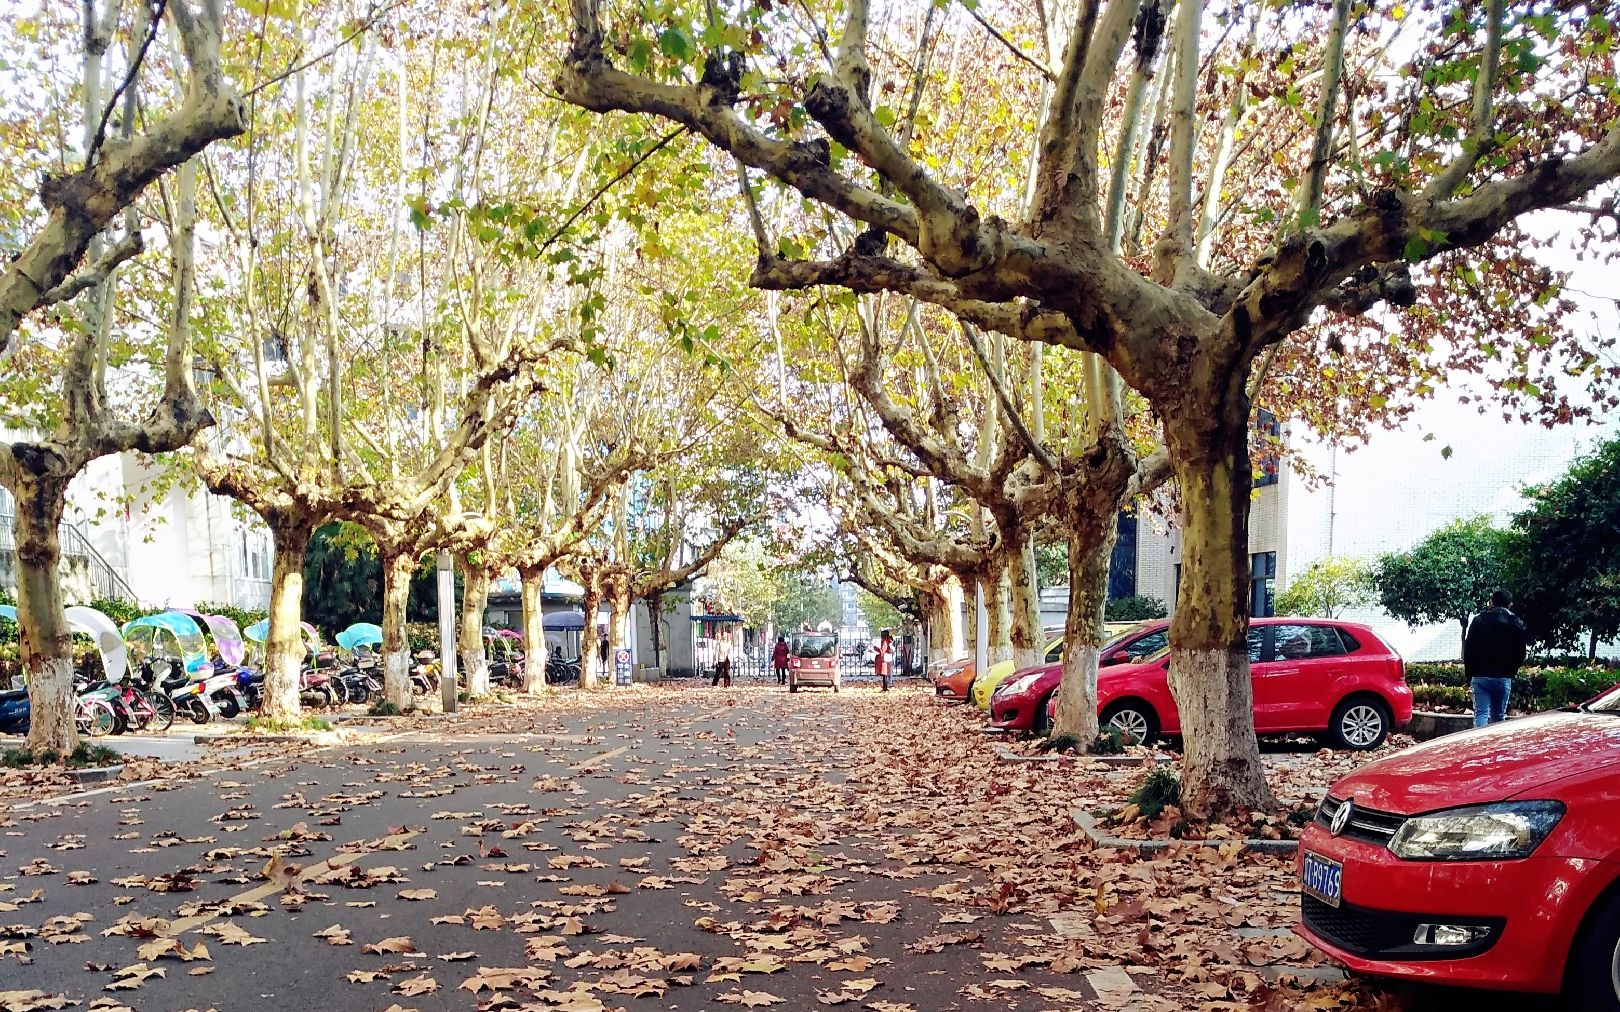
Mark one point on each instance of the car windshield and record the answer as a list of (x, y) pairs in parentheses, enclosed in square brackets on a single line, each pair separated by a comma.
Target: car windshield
[(815, 646), (1608, 702)]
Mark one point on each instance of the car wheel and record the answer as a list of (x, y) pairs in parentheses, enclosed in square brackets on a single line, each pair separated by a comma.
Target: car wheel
[(1135, 718), (1593, 977), (793, 686), (1043, 723), (1359, 723)]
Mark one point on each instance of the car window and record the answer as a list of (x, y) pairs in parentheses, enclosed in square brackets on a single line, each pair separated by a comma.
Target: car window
[(1303, 642), (1152, 643), (1257, 638), (1054, 653), (1351, 644)]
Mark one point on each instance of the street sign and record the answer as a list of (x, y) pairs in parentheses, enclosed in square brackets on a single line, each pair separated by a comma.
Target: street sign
[(621, 666)]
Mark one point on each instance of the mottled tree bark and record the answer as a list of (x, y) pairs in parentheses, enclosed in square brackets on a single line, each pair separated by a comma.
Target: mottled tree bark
[(45, 639), (535, 650), (470, 638), (1089, 550), (1024, 633), (284, 643), (618, 635), (1209, 672), (590, 654), (396, 650)]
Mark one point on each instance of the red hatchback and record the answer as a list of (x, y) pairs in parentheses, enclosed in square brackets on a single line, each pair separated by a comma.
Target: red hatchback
[(1319, 676), (1489, 858)]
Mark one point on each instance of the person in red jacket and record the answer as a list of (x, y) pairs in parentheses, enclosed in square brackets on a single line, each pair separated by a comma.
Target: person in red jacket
[(779, 659), (883, 658)]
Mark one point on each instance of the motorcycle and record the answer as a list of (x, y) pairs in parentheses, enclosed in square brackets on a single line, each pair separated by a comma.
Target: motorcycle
[(93, 711), (424, 673)]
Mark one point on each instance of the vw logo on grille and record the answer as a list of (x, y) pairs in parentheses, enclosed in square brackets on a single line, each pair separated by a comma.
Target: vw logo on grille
[(1341, 818)]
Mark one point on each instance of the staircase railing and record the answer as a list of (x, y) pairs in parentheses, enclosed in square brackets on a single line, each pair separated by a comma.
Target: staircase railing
[(105, 581)]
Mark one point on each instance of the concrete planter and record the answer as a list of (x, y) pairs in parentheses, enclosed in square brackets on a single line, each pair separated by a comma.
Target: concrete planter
[(1100, 837), (1427, 724), (97, 774)]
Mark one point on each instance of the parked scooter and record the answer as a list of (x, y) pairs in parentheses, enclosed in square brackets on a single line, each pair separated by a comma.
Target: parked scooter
[(424, 673)]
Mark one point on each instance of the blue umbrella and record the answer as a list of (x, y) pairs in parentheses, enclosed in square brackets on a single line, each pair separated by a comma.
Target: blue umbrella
[(359, 633)]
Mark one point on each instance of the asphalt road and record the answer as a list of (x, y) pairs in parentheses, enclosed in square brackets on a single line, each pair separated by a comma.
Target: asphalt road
[(670, 853)]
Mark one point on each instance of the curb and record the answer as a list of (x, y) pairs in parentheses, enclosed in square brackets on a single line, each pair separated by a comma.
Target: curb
[(97, 774), (1426, 725), (1116, 761), (1088, 825)]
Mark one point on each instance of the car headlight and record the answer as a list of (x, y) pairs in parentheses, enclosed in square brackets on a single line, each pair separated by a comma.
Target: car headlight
[(1509, 829), (1014, 685)]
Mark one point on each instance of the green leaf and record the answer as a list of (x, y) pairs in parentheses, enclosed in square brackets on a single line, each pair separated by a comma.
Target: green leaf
[(1416, 247), (675, 43)]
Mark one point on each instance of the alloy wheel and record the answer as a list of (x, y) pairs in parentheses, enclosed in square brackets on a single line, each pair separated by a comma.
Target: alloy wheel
[(1132, 722), (1614, 970), (1362, 725)]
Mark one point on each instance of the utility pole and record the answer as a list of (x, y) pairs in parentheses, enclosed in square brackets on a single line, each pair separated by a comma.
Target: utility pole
[(447, 631)]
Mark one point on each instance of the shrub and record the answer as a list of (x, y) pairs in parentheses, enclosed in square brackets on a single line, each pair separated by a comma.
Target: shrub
[(383, 708), (1134, 609), (1535, 690), (1159, 790), (1431, 695), (1111, 741), (243, 617), (119, 610)]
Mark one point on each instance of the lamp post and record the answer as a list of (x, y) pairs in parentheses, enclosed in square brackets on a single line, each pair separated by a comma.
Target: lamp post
[(447, 631)]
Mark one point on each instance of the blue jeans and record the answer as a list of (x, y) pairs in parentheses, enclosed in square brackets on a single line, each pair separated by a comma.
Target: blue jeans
[(1491, 699)]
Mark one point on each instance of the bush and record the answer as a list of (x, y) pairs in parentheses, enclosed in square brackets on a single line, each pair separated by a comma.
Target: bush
[(1431, 695), (1111, 741), (383, 708), (243, 617), (119, 610), (1159, 790), (83, 756), (1134, 609), (1535, 690)]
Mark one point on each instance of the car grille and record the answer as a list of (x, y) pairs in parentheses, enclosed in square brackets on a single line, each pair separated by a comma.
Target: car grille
[(1374, 934), (1367, 824)]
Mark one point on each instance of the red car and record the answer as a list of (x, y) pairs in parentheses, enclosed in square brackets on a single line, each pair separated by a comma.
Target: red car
[(1022, 702), (1489, 858), (1319, 676)]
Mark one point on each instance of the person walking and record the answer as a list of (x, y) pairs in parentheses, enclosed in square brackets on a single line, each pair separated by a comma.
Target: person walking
[(779, 659), (883, 658), (1493, 649), (722, 664)]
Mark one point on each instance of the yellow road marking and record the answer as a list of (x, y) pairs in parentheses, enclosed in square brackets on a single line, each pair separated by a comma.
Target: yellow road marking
[(593, 760), (258, 893)]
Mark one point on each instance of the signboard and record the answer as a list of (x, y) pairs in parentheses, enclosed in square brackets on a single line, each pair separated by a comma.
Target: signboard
[(621, 666)]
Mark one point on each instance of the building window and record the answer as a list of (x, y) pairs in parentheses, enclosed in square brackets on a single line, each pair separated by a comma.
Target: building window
[(1262, 584)]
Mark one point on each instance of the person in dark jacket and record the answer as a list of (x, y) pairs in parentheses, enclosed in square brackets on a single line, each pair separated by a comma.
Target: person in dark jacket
[(1493, 649)]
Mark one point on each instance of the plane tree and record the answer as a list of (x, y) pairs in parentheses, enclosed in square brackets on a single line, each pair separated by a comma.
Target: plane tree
[(97, 364), (1384, 188)]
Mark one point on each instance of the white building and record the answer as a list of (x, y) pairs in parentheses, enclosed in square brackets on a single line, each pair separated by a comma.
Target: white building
[(131, 532)]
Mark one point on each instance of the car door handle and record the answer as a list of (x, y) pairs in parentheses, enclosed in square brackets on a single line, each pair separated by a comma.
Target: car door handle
[(1283, 671)]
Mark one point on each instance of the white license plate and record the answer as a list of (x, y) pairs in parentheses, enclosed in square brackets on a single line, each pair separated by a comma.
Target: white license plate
[(1322, 878)]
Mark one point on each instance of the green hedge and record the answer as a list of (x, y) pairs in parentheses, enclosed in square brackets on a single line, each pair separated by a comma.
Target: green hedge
[(1535, 689)]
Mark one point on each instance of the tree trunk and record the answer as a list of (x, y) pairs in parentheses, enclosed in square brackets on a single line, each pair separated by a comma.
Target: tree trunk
[(1591, 644), (590, 653), (952, 637), (396, 649), (284, 643), (996, 618), (1090, 547), (1464, 640), (654, 603), (535, 650), (45, 641), (618, 612), (474, 659), (1209, 666), (1025, 635)]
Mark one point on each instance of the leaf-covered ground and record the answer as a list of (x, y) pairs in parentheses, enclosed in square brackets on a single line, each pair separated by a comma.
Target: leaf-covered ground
[(670, 848)]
